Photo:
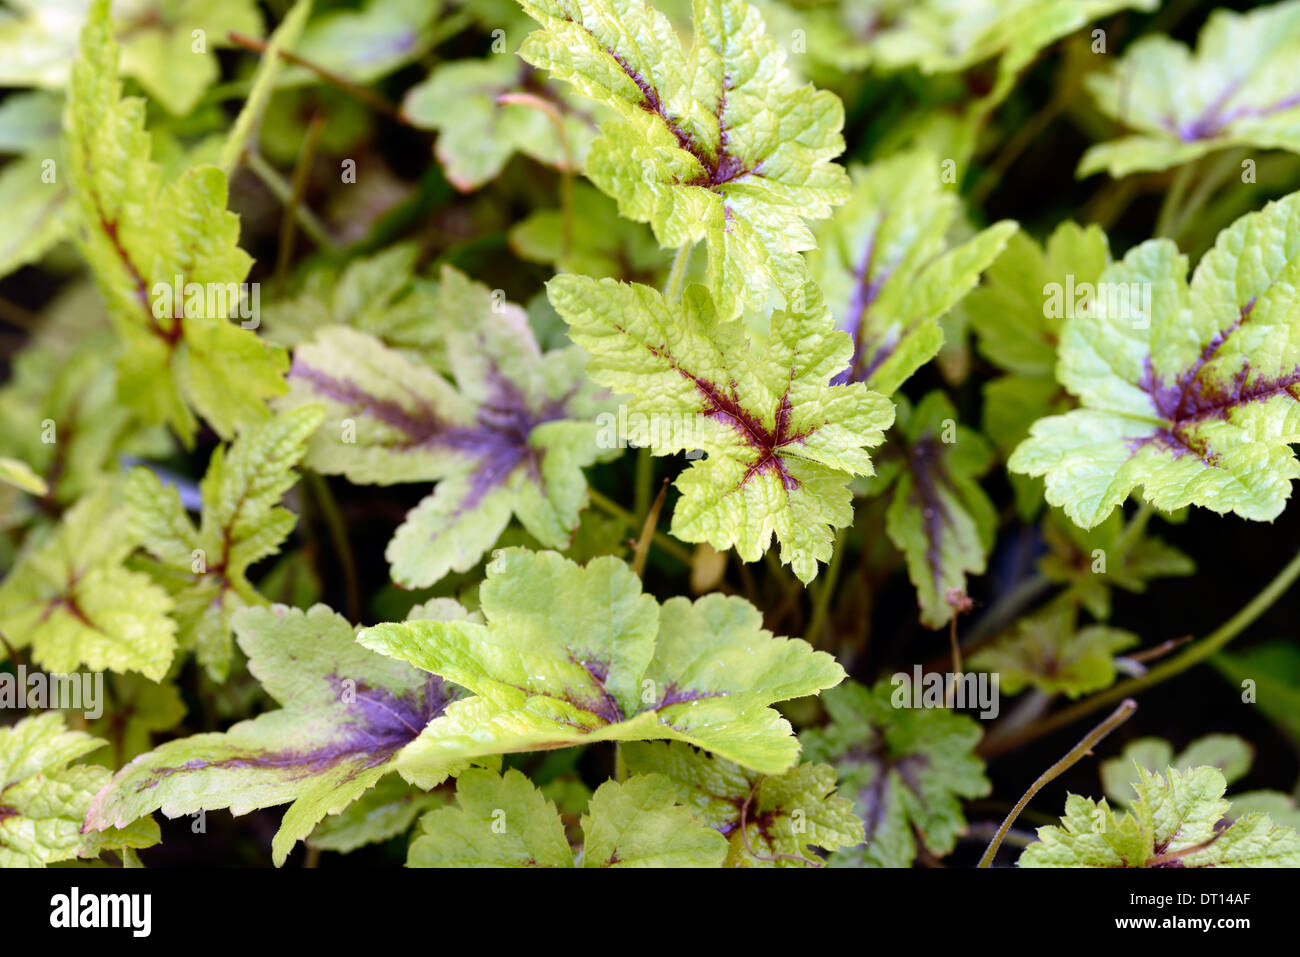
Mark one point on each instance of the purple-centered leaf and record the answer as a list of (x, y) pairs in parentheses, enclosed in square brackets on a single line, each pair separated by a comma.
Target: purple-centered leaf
[(509, 435), (346, 713)]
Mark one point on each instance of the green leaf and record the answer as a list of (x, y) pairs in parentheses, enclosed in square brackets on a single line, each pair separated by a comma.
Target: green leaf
[(366, 44), (784, 817), (43, 800), (1017, 314), (250, 116), (380, 295), (505, 821), (59, 413), (206, 568), (1049, 653), (722, 144), (619, 249), (138, 236), (346, 716), (385, 811), (571, 655), (36, 211), (511, 436), (1237, 89), (938, 516), (137, 708), (907, 769), (1273, 671), (159, 48), (1174, 821), (1192, 397), (889, 271), (942, 37), (498, 821), (1230, 754), (1093, 561), (781, 442), (478, 133), (19, 474), (71, 599)]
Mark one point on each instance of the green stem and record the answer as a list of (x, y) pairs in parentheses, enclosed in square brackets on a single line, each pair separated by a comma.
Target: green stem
[(1075, 754), (822, 598), (1195, 654), (620, 765), (282, 191), (1171, 208), (645, 477), (610, 507), (338, 530), (1133, 528), (301, 173), (1222, 169), (677, 274)]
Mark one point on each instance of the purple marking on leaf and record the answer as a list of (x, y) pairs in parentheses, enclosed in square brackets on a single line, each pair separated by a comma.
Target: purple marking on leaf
[(873, 800), (1214, 120), (723, 168), (868, 353), (929, 477), (375, 725), (674, 695), (605, 706), (498, 440), (724, 407), (1192, 398), (6, 812)]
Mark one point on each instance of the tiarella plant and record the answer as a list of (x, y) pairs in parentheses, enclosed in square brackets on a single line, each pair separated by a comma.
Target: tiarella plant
[(682, 437)]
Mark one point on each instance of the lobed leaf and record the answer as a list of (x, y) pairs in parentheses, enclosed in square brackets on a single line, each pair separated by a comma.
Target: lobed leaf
[(781, 441)]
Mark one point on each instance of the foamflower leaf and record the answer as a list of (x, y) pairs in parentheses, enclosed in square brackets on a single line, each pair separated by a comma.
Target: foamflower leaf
[(71, 598), (938, 516), (346, 714), (888, 270), (385, 811), (1016, 314), (1176, 820), (768, 821), (721, 144), (1094, 561), (1049, 653), (1229, 753), (1238, 89), (506, 821), (781, 441), (478, 134), (43, 799), (509, 437), (380, 295), (907, 770), (206, 567), (620, 249), (1190, 391), (571, 654), (139, 234), (941, 37), (158, 44)]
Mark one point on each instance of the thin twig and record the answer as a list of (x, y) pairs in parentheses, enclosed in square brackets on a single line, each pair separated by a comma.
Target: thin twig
[(1073, 757), (329, 76), (283, 191), (647, 531), (1195, 654), (301, 171)]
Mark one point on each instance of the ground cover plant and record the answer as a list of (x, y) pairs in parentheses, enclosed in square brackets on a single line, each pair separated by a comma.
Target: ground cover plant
[(607, 433)]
